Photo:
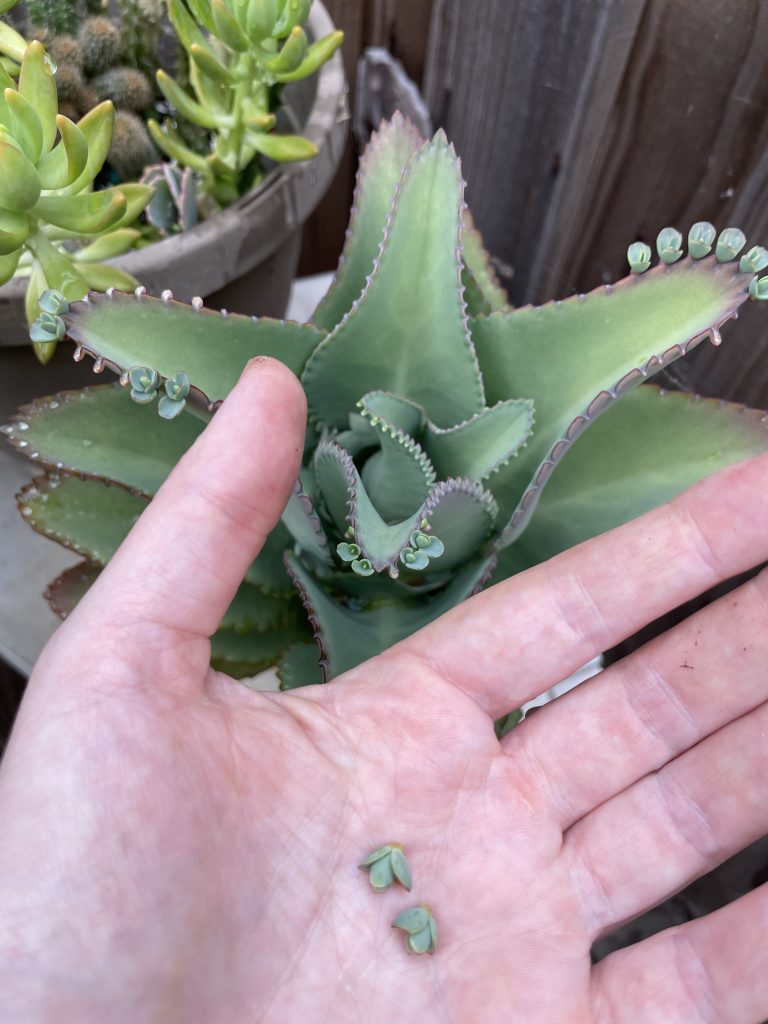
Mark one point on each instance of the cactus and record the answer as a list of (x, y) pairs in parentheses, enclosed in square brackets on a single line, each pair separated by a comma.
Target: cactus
[(452, 440), (238, 51), (100, 44), (46, 197), (128, 88), (132, 149), (56, 16), (173, 207)]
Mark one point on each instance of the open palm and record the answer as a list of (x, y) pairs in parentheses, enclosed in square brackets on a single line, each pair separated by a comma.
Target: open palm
[(178, 848)]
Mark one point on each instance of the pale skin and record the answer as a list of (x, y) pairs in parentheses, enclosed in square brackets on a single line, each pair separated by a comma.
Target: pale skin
[(178, 848)]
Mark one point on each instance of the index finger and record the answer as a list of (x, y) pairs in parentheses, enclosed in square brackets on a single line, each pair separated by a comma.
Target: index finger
[(516, 640), (179, 568)]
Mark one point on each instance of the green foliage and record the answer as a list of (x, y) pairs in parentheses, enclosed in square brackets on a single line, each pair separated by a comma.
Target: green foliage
[(174, 204), (452, 440), (238, 53), (47, 168)]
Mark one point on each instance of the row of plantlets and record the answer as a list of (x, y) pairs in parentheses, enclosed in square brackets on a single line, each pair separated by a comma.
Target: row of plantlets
[(61, 140), (453, 441)]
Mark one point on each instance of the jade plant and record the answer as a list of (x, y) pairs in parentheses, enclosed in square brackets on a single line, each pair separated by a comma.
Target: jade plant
[(53, 227), (238, 51), (452, 441)]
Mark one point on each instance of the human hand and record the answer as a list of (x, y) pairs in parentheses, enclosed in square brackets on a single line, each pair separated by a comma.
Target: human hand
[(178, 848)]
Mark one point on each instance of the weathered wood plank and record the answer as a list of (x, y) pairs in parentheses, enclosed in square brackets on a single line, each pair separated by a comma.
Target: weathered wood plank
[(520, 88)]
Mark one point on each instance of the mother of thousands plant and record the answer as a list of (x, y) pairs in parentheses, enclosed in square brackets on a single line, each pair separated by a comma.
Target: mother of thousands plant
[(453, 441)]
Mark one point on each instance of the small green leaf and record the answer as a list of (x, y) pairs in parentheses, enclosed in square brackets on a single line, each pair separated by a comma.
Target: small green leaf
[(64, 164), (420, 942), (700, 239), (401, 868), (729, 244), (37, 86), (412, 920), (669, 245), (381, 875)]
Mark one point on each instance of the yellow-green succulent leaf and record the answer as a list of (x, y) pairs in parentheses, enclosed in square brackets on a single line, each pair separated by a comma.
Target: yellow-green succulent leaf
[(187, 106), (25, 124), (317, 55), (175, 148), (8, 264), (283, 148), (97, 127), (89, 213), (14, 231), (36, 285), (37, 85), (291, 55), (227, 28), (64, 164), (211, 66), (12, 44), (137, 196), (294, 12), (101, 276), (108, 246), (19, 180)]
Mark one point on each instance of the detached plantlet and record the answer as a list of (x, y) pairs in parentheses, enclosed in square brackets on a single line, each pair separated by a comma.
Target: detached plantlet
[(387, 865), (420, 929), (48, 208), (453, 441)]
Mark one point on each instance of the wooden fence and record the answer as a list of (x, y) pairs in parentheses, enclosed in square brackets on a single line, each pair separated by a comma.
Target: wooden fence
[(583, 126)]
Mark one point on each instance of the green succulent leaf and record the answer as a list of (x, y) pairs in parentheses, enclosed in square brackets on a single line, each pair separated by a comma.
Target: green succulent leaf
[(127, 331), (641, 453), (475, 448), (254, 611), (317, 54), (379, 173), (482, 291), (82, 515), (459, 512), (98, 432), (245, 654), (419, 346), (305, 527), (300, 666), (574, 358), (267, 572), (348, 636), (65, 592)]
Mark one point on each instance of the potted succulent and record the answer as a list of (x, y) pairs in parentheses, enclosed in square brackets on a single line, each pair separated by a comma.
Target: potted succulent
[(452, 440), (251, 246)]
